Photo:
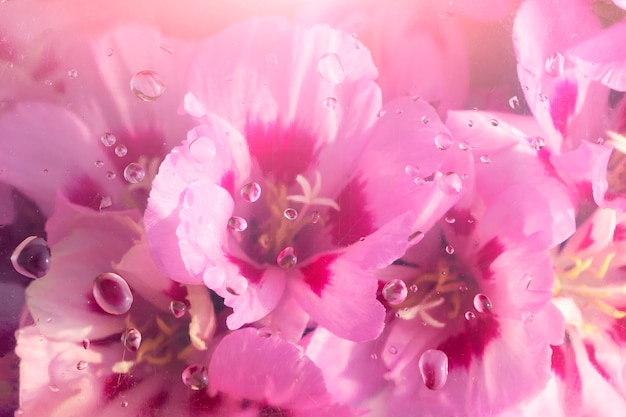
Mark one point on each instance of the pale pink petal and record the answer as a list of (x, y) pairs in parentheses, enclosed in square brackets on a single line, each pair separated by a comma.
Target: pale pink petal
[(288, 319)]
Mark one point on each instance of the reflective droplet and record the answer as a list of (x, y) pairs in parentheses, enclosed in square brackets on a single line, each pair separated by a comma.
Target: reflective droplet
[(124, 403), (105, 202), (411, 170), (399, 111), (109, 51), (331, 68), (381, 113), (53, 387), (32, 257), (99, 163), (147, 85), (237, 224), (131, 339), (110, 175), (374, 356), (290, 213), (485, 159), (196, 377), (178, 309), (315, 217), (287, 258), (514, 102), (449, 220), (134, 173), (108, 139), (264, 332), (121, 150), (416, 237), (48, 83), (443, 141), (494, 122), (72, 73), (554, 65), (464, 146), (469, 315), (451, 183), (251, 192), (414, 288), (112, 293), (449, 249), (537, 143), (470, 123), (395, 291), (202, 150), (433, 366), (425, 120), (527, 317), (482, 303), (542, 97), (331, 103), (81, 365), (86, 344), (393, 350)]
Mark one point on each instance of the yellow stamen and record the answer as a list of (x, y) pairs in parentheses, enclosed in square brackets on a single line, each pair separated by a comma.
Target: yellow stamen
[(609, 309)]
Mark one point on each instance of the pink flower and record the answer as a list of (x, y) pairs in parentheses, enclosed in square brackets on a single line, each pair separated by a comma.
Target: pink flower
[(299, 183)]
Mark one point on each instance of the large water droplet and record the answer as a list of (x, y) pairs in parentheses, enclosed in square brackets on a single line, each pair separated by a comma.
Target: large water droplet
[(251, 192), (395, 291), (451, 183), (482, 303), (331, 68), (196, 377), (331, 103), (32, 257), (131, 339), (202, 150), (290, 213), (112, 293), (121, 150), (147, 85), (443, 141), (108, 139), (433, 366), (237, 224), (178, 309), (134, 173), (554, 65), (287, 258)]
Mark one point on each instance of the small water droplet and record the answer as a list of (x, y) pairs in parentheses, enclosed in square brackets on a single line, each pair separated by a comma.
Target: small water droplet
[(147, 85), (81, 365), (542, 97), (105, 202), (315, 217), (374, 356), (331, 68), (416, 237), (449, 249), (237, 224), (177, 309), (48, 82), (395, 292), (32, 257), (287, 258), (527, 317), (485, 159), (399, 110), (464, 146), (331, 103), (124, 403), (554, 65), (110, 175), (290, 213), (134, 173), (433, 366), (196, 377), (202, 150), (121, 150), (482, 303), (414, 288), (470, 123), (264, 332), (600, 141), (251, 192), (53, 387), (537, 143), (131, 339), (411, 170), (381, 113), (494, 122), (72, 73), (99, 163), (112, 293), (419, 181), (443, 141), (109, 51), (449, 220), (425, 119), (392, 349), (451, 183), (469, 315), (86, 344), (514, 102), (108, 139)]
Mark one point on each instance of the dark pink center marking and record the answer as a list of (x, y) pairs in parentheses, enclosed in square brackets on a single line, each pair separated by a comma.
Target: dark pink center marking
[(487, 254), (317, 274), (353, 221), (471, 342)]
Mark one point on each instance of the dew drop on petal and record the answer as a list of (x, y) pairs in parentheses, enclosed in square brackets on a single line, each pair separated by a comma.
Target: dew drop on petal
[(202, 150), (464, 146), (331, 68), (72, 73), (433, 366), (251, 192), (469, 315), (124, 403), (178, 309), (99, 163), (451, 183), (449, 220), (393, 350), (443, 141), (105, 202), (494, 122), (134, 173), (381, 113), (514, 102), (331, 103), (537, 143), (482, 303), (53, 388), (414, 288), (411, 170), (147, 85), (542, 97), (449, 249), (86, 344), (121, 150), (112, 293), (554, 65), (32, 257), (425, 119), (237, 224), (287, 258), (395, 291), (264, 332), (195, 377), (527, 317), (81, 365), (290, 213), (485, 159), (109, 51), (131, 339), (108, 139), (470, 123), (315, 217), (110, 175), (416, 237)]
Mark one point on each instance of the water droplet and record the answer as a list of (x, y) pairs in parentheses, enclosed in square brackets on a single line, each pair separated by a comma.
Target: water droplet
[(433, 366), (315, 217), (542, 97), (202, 150), (124, 403), (395, 292), (81, 365), (494, 122), (112, 293), (600, 141), (237, 224), (32, 257), (105, 202), (331, 103), (393, 350), (537, 143), (482, 303), (287, 258), (554, 65), (109, 51), (290, 213), (131, 339), (374, 356), (331, 68), (110, 175), (196, 377), (178, 309), (527, 317), (469, 315), (464, 146), (425, 119), (86, 344), (271, 59), (251, 192), (121, 150), (48, 83), (470, 123), (399, 111), (147, 85), (53, 388), (411, 170), (514, 102), (485, 159), (414, 288), (72, 73), (108, 139), (381, 113), (449, 220), (134, 173), (264, 332), (451, 183), (449, 249), (419, 181), (443, 141), (99, 163), (416, 237)]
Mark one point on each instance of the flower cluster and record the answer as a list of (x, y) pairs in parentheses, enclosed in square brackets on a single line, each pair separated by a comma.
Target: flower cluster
[(313, 210)]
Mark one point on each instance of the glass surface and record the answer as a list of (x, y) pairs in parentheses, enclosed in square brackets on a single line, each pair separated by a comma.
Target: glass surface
[(281, 208)]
